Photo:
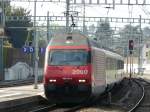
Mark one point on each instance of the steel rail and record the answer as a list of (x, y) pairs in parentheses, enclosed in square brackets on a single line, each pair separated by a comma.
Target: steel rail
[(90, 102), (15, 83), (46, 108), (140, 100), (76, 108)]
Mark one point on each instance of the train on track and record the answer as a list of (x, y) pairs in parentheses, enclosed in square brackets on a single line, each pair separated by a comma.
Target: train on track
[(77, 68)]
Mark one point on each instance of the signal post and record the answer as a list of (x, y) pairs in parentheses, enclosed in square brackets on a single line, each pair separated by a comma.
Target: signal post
[(131, 45)]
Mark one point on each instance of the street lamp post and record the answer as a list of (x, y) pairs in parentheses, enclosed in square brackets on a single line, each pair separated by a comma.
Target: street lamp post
[(36, 57), (1, 41), (1, 59), (140, 58), (67, 15), (48, 30)]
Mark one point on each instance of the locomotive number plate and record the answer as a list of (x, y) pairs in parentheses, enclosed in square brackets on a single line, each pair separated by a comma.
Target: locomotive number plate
[(79, 71)]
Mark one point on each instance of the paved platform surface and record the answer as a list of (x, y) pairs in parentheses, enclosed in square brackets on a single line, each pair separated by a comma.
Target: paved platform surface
[(145, 76), (12, 93), (13, 96)]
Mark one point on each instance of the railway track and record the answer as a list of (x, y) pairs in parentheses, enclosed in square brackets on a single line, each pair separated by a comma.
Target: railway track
[(73, 108), (62, 107), (98, 102), (144, 103), (143, 90), (4, 84), (138, 97), (131, 96), (58, 108), (45, 108)]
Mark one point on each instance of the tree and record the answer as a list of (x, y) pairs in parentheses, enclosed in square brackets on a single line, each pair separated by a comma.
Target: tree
[(85, 30), (6, 4), (129, 32), (104, 34), (146, 33), (91, 31), (92, 28), (16, 29)]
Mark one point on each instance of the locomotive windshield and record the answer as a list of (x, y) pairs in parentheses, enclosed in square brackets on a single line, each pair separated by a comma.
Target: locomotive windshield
[(68, 57)]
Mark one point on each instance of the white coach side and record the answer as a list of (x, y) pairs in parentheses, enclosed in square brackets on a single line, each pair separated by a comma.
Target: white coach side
[(106, 69)]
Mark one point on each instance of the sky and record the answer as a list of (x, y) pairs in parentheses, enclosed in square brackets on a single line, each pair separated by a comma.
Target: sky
[(91, 10), (57, 9)]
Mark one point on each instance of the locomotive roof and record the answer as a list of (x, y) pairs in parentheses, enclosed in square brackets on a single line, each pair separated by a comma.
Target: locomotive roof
[(77, 39), (72, 39)]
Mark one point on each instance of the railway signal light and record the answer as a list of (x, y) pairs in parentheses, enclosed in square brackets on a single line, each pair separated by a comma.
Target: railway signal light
[(131, 45)]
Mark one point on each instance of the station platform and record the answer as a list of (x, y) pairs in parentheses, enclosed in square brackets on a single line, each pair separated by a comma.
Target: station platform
[(145, 76), (13, 96)]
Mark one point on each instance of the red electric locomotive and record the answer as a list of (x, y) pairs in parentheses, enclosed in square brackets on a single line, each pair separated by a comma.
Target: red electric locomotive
[(76, 68)]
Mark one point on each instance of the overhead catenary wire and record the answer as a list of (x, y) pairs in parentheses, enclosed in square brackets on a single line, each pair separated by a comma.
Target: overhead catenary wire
[(146, 11), (92, 2)]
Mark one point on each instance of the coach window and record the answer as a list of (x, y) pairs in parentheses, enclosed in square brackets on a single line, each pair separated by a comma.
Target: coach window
[(107, 63), (118, 64), (111, 63), (122, 64), (146, 54)]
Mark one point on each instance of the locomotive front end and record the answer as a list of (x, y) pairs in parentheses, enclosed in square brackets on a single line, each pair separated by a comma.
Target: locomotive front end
[(67, 74)]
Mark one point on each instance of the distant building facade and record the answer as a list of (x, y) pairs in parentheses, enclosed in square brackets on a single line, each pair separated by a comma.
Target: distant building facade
[(146, 52)]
